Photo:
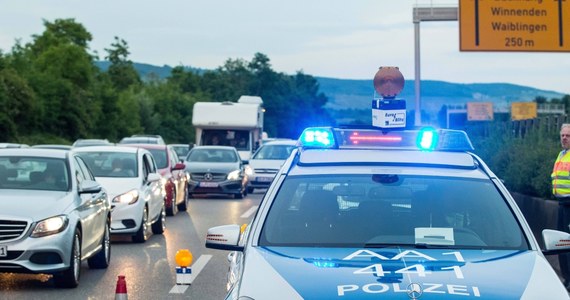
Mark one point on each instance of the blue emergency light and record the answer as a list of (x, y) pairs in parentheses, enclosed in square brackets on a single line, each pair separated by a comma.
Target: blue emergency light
[(317, 137), (427, 139)]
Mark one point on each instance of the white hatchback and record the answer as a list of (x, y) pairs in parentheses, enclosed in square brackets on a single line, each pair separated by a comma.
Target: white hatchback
[(266, 161), (134, 185)]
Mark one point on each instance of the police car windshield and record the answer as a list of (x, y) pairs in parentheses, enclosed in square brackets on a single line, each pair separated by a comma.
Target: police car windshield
[(388, 209)]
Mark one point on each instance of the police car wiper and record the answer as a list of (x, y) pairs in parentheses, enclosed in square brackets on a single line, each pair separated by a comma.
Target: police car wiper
[(430, 246), (418, 245)]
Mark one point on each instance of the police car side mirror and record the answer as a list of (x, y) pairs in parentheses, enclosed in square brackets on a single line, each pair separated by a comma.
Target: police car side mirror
[(555, 241), (224, 237)]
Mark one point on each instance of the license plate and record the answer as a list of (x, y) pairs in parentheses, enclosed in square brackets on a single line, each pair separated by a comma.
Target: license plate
[(264, 179), (209, 184), (3, 251)]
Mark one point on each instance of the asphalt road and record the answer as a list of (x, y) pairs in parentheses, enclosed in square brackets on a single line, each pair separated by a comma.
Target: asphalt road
[(149, 268)]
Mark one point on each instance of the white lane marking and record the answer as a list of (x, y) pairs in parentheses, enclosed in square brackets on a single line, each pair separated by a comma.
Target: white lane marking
[(249, 212), (179, 289), (196, 269)]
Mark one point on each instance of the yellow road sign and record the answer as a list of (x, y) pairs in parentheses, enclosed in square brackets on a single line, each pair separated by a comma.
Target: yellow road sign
[(514, 25), (479, 111), (523, 110)]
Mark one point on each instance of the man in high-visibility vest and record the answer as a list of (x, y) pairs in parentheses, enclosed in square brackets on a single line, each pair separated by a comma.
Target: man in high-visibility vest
[(561, 190)]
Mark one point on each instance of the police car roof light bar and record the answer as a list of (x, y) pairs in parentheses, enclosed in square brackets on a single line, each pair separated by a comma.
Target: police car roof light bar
[(426, 139)]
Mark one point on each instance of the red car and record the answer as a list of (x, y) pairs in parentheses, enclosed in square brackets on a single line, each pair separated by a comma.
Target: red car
[(174, 176)]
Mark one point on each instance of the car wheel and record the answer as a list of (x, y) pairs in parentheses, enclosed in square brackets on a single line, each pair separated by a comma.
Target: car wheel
[(159, 226), (142, 234), (239, 195), (184, 205), (70, 277), (173, 209), (103, 257), (250, 190)]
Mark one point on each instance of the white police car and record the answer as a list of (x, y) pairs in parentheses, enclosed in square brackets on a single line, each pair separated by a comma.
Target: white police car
[(401, 214)]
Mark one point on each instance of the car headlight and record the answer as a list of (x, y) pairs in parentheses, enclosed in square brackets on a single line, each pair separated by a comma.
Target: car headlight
[(249, 170), (50, 226), (129, 197), (234, 175)]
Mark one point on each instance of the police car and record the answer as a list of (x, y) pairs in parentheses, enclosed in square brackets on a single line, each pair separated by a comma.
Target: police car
[(361, 213)]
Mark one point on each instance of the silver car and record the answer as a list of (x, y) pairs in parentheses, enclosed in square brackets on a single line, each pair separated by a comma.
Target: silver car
[(216, 170), (135, 188), (266, 162), (53, 215)]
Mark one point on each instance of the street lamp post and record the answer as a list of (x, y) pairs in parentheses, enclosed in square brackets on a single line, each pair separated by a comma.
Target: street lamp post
[(426, 14)]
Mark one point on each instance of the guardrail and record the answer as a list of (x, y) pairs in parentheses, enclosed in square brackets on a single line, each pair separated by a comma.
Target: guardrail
[(540, 214)]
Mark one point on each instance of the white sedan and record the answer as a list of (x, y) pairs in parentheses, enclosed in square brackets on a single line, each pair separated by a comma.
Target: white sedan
[(134, 185)]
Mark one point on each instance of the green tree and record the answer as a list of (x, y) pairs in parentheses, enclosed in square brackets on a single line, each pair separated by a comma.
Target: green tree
[(122, 72), (20, 110), (59, 69)]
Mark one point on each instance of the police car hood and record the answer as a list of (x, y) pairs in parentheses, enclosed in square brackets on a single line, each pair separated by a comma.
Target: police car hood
[(397, 273)]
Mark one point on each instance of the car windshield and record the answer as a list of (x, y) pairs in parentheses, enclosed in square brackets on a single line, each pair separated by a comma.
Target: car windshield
[(235, 138), (391, 210), (159, 157), (33, 173), (277, 152), (212, 155), (111, 164)]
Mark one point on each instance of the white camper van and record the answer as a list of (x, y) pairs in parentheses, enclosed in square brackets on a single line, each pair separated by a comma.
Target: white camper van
[(238, 124)]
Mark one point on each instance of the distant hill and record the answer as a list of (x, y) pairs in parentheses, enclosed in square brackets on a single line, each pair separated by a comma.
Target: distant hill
[(147, 71), (357, 94)]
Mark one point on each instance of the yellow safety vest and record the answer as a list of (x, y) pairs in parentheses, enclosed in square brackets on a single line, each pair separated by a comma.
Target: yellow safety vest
[(561, 176)]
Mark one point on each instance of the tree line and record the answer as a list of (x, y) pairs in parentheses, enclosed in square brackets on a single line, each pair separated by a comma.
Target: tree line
[(53, 92)]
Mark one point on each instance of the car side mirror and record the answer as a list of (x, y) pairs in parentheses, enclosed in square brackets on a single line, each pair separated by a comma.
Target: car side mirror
[(555, 242), (152, 177), (179, 166), (89, 187)]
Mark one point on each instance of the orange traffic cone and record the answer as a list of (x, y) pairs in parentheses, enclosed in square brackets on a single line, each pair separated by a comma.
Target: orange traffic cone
[(121, 290)]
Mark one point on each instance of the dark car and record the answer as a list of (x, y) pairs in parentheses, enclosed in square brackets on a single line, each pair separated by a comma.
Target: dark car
[(216, 170)]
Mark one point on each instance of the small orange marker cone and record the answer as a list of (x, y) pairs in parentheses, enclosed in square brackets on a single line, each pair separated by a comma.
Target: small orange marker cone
[(121, 290)]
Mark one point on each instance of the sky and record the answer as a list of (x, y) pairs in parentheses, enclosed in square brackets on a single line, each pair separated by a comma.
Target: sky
[(326, 38)]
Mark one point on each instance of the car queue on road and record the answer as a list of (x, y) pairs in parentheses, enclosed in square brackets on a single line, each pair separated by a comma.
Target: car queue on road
[(82, 194)]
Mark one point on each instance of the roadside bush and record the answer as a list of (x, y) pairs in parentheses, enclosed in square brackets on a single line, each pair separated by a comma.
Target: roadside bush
[(523, 163)]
